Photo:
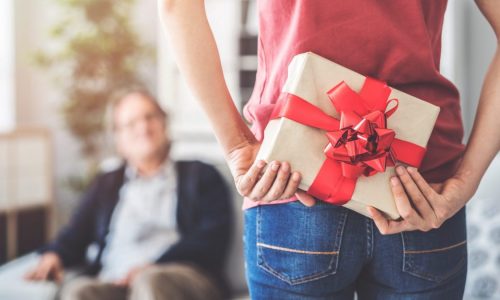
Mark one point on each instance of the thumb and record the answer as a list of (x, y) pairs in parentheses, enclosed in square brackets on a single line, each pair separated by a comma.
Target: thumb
[(305, 198)]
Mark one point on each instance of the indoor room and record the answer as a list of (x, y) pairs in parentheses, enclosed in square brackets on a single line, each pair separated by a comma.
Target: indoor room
[(142, 145)]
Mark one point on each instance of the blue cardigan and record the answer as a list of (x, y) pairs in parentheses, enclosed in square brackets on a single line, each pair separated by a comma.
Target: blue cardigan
[(204, 219)]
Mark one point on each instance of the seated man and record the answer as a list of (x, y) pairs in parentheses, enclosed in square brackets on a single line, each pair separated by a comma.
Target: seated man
[(162, 228)]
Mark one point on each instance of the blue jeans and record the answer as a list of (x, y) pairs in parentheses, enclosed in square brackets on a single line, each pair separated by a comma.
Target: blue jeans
[(329, 252)]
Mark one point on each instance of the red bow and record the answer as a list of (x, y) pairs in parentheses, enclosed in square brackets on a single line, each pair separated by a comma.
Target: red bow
[(359, 144), (362, 144)]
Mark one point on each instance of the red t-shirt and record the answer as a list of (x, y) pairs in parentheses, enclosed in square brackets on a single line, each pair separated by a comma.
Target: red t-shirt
[(398, 42)]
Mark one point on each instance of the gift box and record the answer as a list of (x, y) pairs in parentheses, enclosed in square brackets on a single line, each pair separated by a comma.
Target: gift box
[(345, 132)]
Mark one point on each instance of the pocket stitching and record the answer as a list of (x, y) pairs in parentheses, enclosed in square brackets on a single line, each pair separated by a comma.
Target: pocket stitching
[(302, 279), (432, 277), (263, 245), (408, 262), (298, 280), (435, 250)]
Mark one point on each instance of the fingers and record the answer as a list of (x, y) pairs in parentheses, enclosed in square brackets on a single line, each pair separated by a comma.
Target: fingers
[(246, 182), (386, 226), (402, 202), (411, 219), (406, 190), (430, 191), (379, 220), (422, 184), (421, 202), (292, 185), (305, 198), (277, 182), (49, 268), (416, 196), (41, 272), (280, 183), (423, 220), (44, 273), (263, 185), (285, 184)]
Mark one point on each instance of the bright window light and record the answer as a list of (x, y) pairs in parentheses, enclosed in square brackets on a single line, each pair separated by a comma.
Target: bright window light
[(7, 107)]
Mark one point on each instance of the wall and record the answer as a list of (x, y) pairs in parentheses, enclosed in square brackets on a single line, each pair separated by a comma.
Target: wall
[(38, 99), (190, 128), (7, 105), (469, 44)]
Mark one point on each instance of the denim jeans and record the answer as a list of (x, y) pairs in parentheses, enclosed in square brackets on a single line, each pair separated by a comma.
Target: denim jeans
[(329, 252)]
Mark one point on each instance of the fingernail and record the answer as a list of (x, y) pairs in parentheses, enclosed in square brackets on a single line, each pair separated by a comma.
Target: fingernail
[(410, 169), (275, 166), (285, 167), (400, 170), (261, 163), (296, 176), (394, 181)]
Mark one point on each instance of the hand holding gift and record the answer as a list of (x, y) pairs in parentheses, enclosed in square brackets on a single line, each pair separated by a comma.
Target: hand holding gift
[(264, 182), (423, 206), (346, 143)]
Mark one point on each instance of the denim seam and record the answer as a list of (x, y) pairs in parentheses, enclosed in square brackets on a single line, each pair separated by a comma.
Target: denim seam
[(258, 252), (299, 280), (369, 238), (408, 263), (340, 231), (405, 262), (436, 250), (428, 276), (330, 270), (297, 250)]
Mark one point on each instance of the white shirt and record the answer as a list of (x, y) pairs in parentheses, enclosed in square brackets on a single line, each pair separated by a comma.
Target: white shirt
[(143, 225)]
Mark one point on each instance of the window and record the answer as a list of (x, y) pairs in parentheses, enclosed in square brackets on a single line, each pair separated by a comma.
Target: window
[(7, 107)]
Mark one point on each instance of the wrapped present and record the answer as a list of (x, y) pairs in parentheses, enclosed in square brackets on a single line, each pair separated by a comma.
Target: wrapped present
[(345, 133)]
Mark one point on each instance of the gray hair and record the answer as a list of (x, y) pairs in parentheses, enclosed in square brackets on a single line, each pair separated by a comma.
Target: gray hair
[(118, 97)]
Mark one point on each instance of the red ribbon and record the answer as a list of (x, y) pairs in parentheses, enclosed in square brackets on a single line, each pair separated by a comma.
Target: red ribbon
[(359, 143)]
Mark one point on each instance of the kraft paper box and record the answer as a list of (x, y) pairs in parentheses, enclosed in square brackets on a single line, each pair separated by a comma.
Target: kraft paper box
[(310, 77)]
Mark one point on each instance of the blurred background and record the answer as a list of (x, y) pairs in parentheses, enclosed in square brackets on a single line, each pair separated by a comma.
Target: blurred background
[(61, 59)]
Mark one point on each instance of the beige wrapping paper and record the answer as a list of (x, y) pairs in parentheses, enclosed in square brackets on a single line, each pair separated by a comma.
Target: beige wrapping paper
[(310, 76)]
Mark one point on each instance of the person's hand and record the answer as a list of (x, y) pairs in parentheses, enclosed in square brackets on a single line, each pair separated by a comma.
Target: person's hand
[(131, 275), (255, 181), (422, 206), (49, 267)]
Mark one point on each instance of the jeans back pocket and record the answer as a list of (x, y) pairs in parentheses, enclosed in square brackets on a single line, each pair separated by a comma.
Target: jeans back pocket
[(438, 254), (298, 244)]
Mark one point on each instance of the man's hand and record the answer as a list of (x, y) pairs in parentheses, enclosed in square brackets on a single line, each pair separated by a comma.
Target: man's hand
[(422, 206), (255, 181), (131, 275), (49, 267)]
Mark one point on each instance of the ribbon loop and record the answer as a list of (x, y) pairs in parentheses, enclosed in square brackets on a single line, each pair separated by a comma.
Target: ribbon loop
[(363, 126), (359, 144)]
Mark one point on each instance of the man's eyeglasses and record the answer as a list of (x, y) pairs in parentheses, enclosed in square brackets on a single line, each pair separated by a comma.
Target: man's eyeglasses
[(148, 118)]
